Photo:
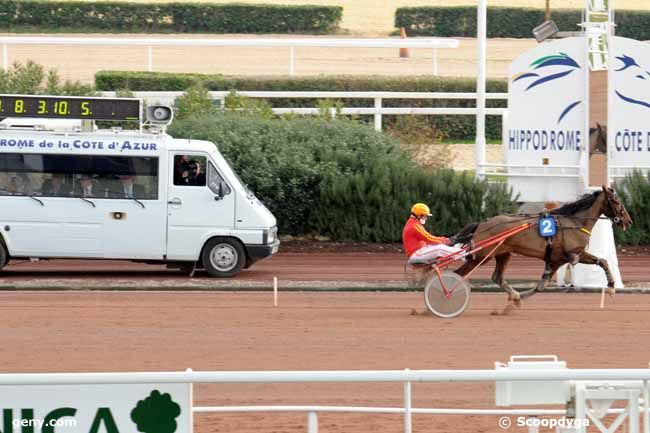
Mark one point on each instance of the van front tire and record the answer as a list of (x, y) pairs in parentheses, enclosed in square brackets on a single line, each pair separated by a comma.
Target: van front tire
[(4, 256), (223, 257)]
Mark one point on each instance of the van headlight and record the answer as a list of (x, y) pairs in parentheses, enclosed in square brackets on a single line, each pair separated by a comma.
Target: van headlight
[(273, 234)]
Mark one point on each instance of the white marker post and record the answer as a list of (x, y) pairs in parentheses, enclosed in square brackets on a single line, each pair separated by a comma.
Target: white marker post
[(602, 299), (275, 291)]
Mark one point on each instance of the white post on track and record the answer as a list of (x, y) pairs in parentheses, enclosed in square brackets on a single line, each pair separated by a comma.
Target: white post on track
[(481, 42), (408, 415), (378, 117), (275, 291), (312, 422)]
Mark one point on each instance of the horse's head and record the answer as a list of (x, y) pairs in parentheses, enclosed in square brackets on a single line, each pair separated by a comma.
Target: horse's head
[(614, 209)]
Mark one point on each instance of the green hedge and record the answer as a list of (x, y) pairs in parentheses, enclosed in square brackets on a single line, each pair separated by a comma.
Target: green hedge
[(339, 178), (460, 21), (634, 191), (115, 17), (453, 127)]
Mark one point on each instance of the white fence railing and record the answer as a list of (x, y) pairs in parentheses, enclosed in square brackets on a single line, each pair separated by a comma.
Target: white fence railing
[(406, 377), (290, 42), (378, 110)]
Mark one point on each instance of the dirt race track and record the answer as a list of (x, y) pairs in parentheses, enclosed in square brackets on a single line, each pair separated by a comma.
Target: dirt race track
[(382, 268), (162, 331), (166, 331)]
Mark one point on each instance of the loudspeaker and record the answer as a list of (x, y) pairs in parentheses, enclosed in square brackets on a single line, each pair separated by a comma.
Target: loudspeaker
[(160, 114)]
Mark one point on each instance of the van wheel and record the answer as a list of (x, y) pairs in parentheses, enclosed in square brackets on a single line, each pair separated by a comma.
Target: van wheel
[(223, 257), (4, 257)]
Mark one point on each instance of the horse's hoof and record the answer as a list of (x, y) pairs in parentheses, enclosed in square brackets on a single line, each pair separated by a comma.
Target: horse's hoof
[(517, 302), (527, 293), (611, 291)]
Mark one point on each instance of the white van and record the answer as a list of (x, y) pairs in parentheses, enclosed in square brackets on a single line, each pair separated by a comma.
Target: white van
[(134, 195)]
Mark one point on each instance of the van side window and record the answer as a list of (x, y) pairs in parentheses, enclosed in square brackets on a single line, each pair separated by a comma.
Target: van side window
[(189, 170), (215, 180), (111, 177)]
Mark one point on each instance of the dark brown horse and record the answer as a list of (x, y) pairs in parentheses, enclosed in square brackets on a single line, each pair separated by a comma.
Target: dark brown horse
[(574, 221)]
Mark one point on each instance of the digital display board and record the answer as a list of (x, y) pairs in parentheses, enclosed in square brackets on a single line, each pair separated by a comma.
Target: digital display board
[(69, 107)]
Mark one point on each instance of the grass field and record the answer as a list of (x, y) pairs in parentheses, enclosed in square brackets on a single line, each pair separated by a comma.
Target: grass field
[(374, 17)]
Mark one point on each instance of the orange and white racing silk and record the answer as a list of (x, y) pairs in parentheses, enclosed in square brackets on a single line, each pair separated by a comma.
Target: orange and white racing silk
[(415, 236), (421, 246)]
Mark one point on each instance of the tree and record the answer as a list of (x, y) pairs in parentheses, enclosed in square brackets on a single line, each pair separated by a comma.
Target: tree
[(156, 413)]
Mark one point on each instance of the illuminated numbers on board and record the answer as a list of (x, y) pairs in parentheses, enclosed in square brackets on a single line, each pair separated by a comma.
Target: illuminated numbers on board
[(61, 108), (85, 109), (19, 106), (42, 107)]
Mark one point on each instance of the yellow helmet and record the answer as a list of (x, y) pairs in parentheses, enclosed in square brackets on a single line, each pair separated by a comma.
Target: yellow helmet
[(420, 210)]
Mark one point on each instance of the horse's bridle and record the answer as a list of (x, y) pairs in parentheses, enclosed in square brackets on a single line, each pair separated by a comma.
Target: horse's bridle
[(615, 210)]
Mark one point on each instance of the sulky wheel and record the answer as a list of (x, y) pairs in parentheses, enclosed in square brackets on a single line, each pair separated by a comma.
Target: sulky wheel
[(449, 304)]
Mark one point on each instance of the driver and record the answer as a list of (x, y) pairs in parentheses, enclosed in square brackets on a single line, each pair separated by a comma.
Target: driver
[(421, 246)]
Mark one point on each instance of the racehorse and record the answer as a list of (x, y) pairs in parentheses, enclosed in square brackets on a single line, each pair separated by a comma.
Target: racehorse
[(574, 221)]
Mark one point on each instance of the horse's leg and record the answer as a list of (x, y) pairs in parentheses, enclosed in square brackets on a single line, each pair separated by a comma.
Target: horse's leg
[(466, 267), (589, 259), (549, 270), (502, 262)]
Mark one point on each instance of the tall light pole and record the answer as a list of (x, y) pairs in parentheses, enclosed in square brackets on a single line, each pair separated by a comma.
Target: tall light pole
[(481, 42)]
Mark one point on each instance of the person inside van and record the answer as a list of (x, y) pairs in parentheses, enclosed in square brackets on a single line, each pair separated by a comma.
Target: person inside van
[(128, 188), (54, 187), (182, 170), (85, 187), (197, 177)]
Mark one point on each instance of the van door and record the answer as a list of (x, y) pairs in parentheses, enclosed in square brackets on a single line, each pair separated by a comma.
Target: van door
[(200, 204), (133, 208)]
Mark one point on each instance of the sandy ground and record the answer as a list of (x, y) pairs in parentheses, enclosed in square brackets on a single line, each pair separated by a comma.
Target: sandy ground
[(353, 267), (464, 156), (371, 17), (81, 63), (108, 331)]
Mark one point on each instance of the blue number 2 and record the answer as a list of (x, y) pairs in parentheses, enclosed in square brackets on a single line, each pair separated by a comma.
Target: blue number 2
[(547, 227)]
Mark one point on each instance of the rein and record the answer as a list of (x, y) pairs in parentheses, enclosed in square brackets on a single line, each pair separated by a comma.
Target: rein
[(525, 216)]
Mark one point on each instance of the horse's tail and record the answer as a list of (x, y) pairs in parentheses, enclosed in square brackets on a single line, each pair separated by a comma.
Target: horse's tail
[(465, 235)]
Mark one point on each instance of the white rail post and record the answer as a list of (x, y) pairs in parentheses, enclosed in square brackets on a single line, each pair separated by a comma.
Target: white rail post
[(633, 413), (5, 57), (292, 59), (646, 407), (581, 406), (312, 422), (434, 62), (481, 35), (150, 58), (408, 421), (378, 117)]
